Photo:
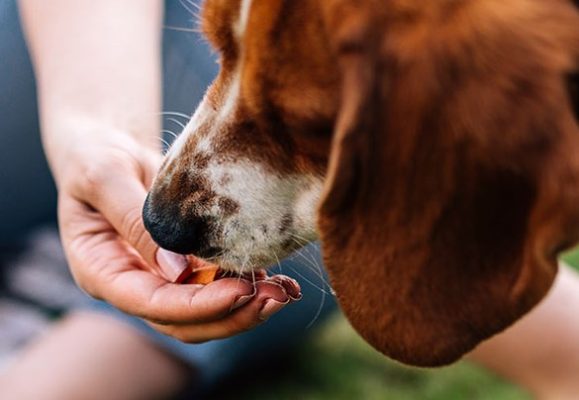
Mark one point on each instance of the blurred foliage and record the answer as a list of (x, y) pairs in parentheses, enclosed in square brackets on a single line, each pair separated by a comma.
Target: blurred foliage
[(572, 258), (336, 364)]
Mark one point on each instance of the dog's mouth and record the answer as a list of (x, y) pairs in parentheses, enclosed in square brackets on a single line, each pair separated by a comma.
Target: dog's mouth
[(202, 272), (199, 271)]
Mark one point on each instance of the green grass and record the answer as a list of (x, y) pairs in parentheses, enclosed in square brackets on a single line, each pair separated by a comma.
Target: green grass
[(572, 258), (336, 364)]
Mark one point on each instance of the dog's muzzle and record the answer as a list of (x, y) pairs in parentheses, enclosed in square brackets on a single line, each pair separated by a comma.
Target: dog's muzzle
[(175, 232)]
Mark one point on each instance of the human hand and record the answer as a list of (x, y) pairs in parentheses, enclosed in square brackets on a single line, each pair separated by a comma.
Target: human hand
[(102, 186)]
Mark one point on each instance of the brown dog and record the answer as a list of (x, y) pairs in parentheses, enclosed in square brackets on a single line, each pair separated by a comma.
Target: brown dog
[(437, 141)]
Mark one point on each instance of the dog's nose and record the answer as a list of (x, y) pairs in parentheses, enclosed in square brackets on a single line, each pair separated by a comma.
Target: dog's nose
[(177, 234)]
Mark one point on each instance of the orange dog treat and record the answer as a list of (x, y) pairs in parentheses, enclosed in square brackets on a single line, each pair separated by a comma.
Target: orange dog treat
[(203, 276), (200, 272)]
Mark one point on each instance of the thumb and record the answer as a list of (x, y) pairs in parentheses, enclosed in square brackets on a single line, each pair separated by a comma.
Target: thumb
[(119, 195)]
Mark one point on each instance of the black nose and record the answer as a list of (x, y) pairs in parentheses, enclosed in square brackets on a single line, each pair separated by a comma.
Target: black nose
[(171, 231)]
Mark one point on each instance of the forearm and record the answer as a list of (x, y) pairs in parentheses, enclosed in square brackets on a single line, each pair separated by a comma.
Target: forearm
[(98, 66), (541, 351)]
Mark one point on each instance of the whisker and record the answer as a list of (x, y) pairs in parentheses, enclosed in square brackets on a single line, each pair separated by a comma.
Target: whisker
[(170, 133), (315, 261), (317, 270), (278, 262), (164, 142), (301, 238), (301, 241), (175, 113), (195, 5), (243, 266), (312, 264), (319, 273), (215, 257), (182, 29), (309, 281), (304, 260), (318, 311), (182, 125), (187, 6), (324, 293), (198, 10), (324, 284)]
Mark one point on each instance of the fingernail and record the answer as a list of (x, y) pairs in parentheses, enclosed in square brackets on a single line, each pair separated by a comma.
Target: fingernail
[(242, 300), (291, 286), (270, 307), (297, 297), (174, 267)]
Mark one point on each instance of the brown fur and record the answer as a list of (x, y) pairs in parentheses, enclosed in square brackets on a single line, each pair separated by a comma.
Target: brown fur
[(288, 108), (453, 150), (454, 178)]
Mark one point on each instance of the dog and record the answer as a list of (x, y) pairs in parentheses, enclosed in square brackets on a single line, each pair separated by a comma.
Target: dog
[(432, 147)]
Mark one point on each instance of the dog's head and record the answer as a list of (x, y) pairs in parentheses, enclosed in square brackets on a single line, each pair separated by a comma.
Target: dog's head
[(244, 179), (434, 142)]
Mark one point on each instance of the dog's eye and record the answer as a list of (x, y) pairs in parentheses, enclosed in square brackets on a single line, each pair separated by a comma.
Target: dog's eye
[(573, 89)]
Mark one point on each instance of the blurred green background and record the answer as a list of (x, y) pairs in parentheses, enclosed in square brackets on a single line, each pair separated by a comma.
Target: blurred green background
[(334, 363)]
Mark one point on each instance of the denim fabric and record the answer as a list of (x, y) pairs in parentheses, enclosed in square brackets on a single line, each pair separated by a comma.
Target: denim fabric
[(27, 194)]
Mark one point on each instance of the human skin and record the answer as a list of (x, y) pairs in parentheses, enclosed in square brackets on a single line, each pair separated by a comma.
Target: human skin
[(92, 356), (540, 352), (98, 72)]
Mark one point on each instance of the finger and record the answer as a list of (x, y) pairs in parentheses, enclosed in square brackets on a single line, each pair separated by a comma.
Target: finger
[(120, 200), (142, 294), (106, 268), (270, 298), (119, 197), (291, 286)]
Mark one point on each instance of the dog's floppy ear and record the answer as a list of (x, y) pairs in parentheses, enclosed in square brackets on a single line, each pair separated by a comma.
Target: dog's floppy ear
[(454, 175)]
